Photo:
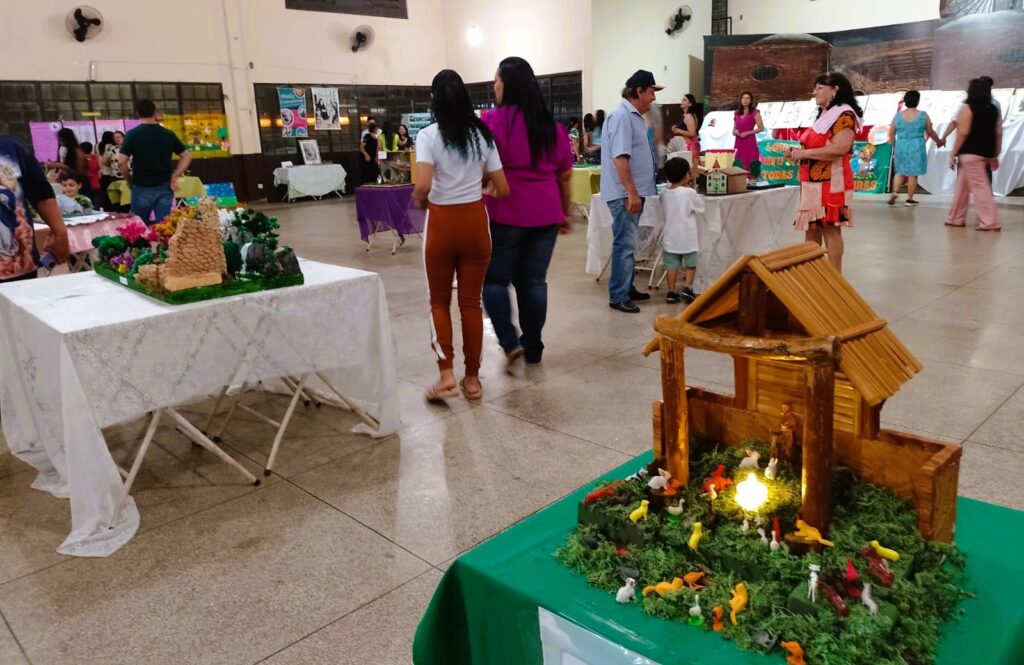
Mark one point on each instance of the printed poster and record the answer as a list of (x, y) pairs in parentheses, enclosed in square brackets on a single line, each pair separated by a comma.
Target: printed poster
[(293, 111), (85, 130), (44, 140), (109, 126), (775, 168), (870, 165), (206, 135), (326, 108)]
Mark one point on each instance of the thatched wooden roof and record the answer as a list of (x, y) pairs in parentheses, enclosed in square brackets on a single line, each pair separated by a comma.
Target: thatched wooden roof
[(826, 305)]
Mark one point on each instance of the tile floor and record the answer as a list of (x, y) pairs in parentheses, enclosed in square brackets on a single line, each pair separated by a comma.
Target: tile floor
[(334, 559)]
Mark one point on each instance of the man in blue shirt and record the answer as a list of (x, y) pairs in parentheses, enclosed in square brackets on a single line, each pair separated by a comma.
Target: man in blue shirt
[(627, 175)]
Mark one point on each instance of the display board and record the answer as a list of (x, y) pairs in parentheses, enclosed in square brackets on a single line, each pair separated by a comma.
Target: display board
[(204, 134), (326, 109), (871, 165), (770, 113), (882, 107), (292, 102)]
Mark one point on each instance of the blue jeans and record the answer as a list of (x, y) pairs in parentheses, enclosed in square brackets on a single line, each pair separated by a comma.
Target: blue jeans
[(156, 200), (624, 229), (520, 256)]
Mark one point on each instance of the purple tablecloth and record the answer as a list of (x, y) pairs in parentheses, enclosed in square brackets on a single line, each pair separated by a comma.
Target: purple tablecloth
[(387, 207)]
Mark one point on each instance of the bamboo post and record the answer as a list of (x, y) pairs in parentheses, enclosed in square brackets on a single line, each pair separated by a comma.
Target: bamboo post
[(675, 415), (817, 444)]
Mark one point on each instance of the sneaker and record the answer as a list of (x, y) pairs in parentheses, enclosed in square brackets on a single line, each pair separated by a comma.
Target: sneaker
[(638, 296), (629, 307), (687, 295), (671, 297), (910, 203), (892, 199)]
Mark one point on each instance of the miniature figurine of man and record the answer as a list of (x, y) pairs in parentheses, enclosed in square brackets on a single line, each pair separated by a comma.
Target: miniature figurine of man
[(784, 440)]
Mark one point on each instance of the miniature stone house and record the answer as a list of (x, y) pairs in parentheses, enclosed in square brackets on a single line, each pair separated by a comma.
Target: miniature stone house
[(195, 256), (800, 335)]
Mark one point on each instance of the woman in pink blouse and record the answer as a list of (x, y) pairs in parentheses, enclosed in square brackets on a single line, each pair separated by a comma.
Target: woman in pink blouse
[(537, 160)]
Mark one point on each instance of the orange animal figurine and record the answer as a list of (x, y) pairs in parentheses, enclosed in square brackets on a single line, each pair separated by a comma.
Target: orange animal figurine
[(716, 619), (795, 651), (717, 481), (693, 580)]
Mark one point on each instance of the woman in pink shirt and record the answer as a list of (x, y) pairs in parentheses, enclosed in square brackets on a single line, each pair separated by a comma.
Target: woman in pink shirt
[(537, 160)]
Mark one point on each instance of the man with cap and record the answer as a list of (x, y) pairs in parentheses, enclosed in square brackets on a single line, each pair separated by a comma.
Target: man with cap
[(627, 176)]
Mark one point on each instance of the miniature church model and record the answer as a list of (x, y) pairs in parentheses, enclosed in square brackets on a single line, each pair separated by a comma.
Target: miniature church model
[(813, 368)]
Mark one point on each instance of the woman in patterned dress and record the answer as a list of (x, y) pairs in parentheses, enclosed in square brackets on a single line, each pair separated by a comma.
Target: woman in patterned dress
[(909, 130), (826, 178)]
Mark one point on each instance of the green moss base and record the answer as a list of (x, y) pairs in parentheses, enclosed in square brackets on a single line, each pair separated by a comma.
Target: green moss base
[(233, 287), (911, 613)]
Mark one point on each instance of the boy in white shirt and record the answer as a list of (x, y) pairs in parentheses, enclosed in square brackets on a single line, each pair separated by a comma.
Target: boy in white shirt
[(680, 203)]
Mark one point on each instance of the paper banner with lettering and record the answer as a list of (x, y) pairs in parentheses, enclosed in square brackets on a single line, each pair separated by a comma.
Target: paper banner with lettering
[(326, 108), (774, 165), (44, 140), (109, 126), (293, 111), (870, 163), (206, 135), (85, 130)]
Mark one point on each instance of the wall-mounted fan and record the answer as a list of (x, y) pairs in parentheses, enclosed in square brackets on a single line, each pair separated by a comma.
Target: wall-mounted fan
[(677, 21), (84, 22), (362, 38)]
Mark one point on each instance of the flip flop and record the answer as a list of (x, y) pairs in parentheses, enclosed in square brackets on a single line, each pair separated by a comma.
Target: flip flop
[(990, 228), (471, 396), (956, 226), (892, 199), (436, 395), (510, 359)]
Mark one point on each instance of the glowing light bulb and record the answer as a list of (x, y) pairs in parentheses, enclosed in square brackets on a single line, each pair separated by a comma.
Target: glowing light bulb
[(474, 36), (751, 494)]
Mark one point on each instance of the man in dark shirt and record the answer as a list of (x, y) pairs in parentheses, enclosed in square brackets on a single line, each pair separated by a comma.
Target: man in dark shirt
[(22, 181), (154, 177)]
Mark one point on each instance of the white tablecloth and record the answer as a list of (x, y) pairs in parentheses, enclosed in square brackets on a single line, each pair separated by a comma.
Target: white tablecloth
[(733, 225), (311, 179), (80, 353), (940, 179)]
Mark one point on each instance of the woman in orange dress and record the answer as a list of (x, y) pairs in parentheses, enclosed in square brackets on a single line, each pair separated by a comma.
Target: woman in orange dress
[(826, 178)]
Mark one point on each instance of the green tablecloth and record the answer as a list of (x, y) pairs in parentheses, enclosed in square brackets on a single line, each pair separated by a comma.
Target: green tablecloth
[(485, 609), (121, 194), (580, 183)]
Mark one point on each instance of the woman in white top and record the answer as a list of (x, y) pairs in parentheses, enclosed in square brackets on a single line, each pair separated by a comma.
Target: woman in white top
[(455, 160)]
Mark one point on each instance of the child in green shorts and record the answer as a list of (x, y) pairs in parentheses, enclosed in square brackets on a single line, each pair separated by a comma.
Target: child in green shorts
[(680, 204)]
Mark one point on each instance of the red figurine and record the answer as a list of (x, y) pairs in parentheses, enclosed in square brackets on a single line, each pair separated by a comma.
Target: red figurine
[(776, 528), (853, 583), (834, 599), (602, 493), (717, 480), (878, 567)]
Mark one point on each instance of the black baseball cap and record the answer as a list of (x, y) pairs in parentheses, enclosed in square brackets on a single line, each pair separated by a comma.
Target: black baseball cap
[(642, 78)]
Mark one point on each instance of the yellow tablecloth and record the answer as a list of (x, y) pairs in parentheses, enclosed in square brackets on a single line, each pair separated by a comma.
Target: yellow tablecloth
[(581, 191), (121, 194)]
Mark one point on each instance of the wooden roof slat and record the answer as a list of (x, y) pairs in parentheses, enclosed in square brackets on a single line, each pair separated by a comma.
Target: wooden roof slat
[(788, 256)]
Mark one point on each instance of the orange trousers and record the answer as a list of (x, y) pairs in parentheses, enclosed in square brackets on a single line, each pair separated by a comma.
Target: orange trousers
[(457, 243)]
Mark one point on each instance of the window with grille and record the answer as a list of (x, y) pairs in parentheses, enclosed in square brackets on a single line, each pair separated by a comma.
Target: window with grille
[(383, 8), (720, 21)]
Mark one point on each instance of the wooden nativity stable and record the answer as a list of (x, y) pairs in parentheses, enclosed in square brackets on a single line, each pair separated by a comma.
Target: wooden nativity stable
[(800, 335)]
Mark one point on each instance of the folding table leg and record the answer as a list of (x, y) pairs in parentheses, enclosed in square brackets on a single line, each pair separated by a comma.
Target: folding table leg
[(365, 417), (193, 433), (213, 411), (604, 269), (284, 425), (154, 423)]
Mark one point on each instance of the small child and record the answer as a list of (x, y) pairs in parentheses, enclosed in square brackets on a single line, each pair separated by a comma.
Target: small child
[(92, 166), (680, 203), (71, 183)]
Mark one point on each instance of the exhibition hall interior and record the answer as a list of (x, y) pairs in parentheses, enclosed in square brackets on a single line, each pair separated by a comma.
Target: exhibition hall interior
[(451, 332)]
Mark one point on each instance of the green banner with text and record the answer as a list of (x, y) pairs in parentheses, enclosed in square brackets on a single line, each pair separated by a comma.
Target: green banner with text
[(870, 164)]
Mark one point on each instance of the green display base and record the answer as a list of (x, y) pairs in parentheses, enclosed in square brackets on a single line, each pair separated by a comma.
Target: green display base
[(232, 288)]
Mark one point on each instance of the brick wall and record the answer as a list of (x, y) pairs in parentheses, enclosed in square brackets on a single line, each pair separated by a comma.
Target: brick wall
[(798, 65)]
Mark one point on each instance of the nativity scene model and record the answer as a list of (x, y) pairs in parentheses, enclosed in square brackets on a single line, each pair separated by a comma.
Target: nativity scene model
[(784, 517), (197, 254)]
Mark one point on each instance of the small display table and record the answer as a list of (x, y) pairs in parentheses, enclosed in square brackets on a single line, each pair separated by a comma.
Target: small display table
[(120, 193), (316, 180), (81, 230), (580, 183), (387, 208)]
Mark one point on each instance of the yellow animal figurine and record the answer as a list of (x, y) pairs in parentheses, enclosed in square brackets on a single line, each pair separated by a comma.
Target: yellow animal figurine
[(696, 536), (885, 552), (808, 532), (738, 602), (661, 588), (640, 513)]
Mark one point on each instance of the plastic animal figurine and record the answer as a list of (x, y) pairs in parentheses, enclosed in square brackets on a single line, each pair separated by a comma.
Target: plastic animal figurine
[(885, 552), (640, 513), (660, 481), (717, 481), (696, 536), (639, 475), (696, 615), (771, 472), (627, 592), (776, 529), (764, 538), (834, 599), (805, 531), (866, 598), (758, 520), (775, 545), (602, 493), (745, 527), (716, 619), (662, 588), (676, 509), (693, 580), (710, 496), (812, 582), (738, 602), (751, 461), (795, 651), (853, 583), (878, 567)]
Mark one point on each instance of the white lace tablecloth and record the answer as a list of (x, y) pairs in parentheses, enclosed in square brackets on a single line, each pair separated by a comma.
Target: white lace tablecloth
[(733, 225), (80, 353), (311, 179)]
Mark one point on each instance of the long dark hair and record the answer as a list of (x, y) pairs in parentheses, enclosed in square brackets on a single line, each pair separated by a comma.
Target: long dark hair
[(522, 92), (599, 118), (588, 122), (106, 139), (460, 129), (693, 110), (979, 94), (67, 138), (389, 135), (844, 93), (751, 108)]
